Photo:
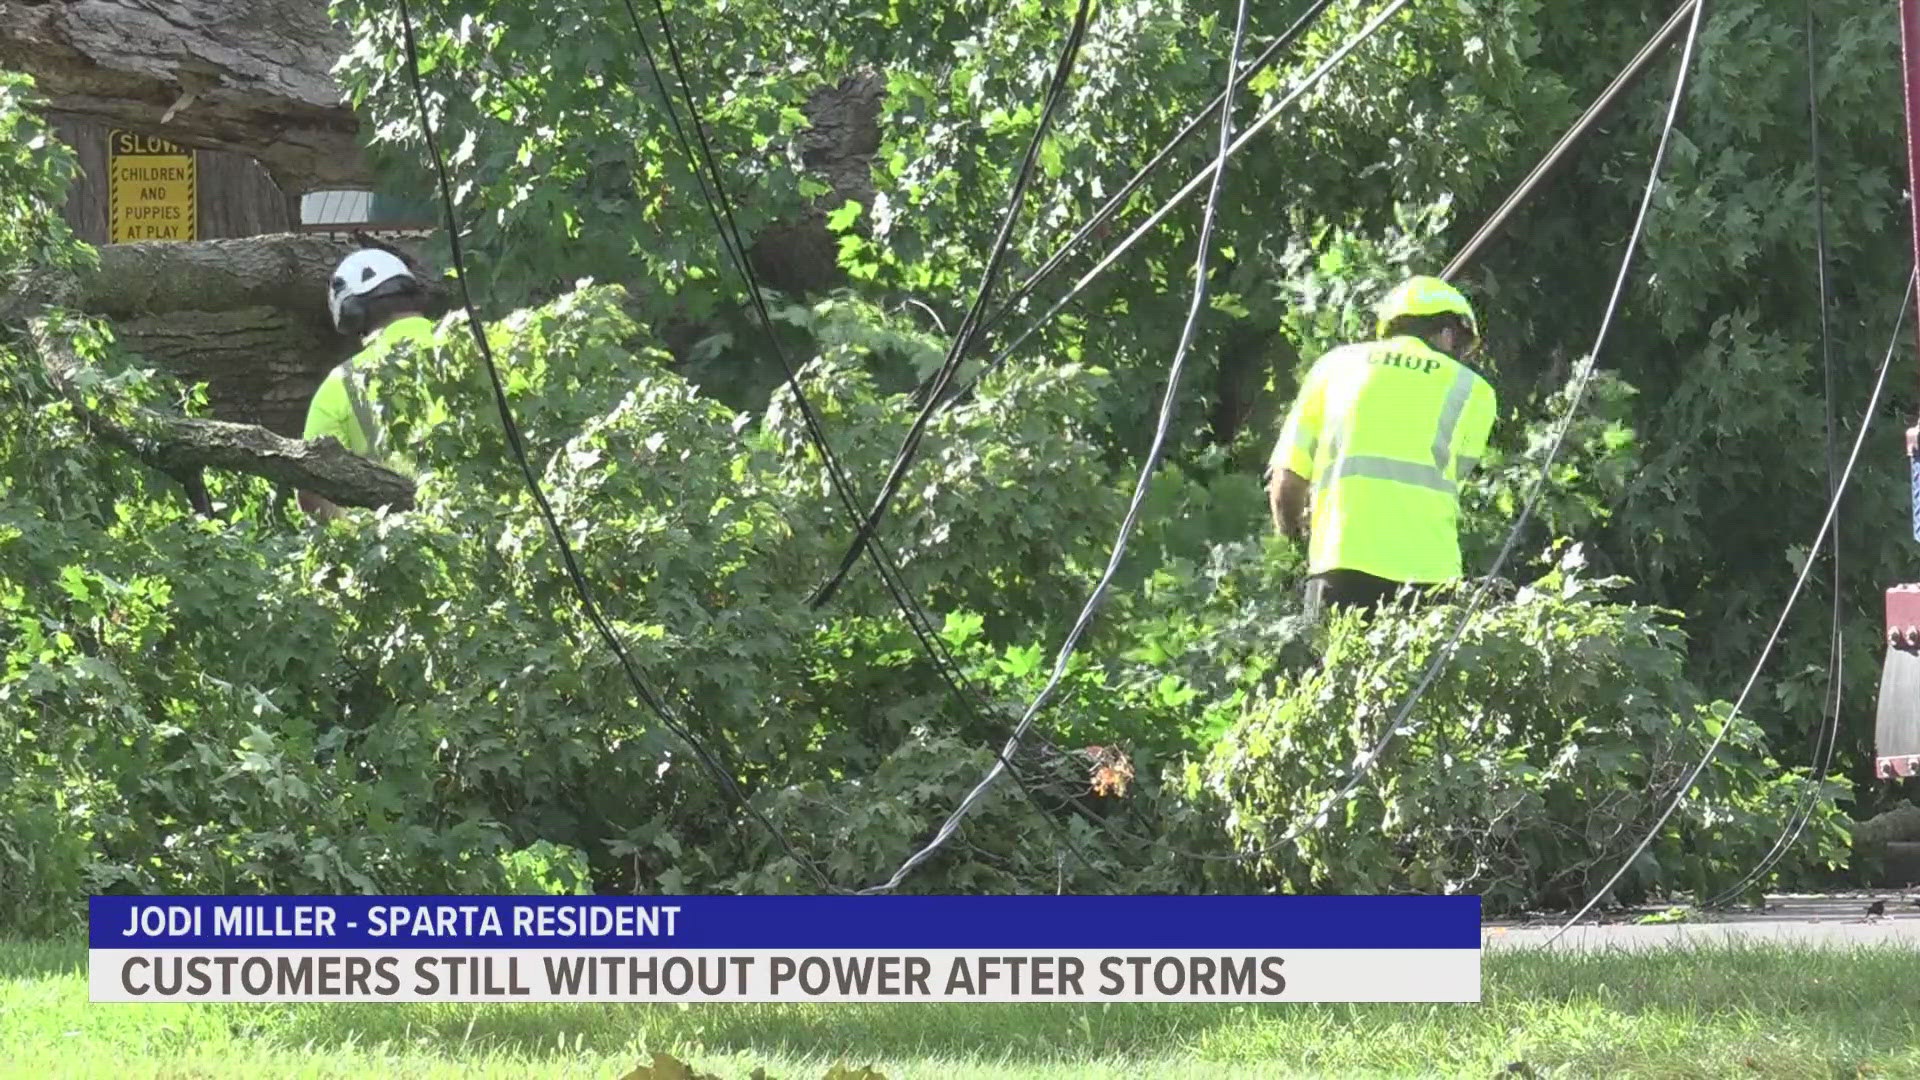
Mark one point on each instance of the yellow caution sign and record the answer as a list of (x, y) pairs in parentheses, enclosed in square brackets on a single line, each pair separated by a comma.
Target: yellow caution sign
[(152, 191)]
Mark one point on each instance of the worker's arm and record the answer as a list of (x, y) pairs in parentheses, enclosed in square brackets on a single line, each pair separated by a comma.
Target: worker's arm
[(1290, 468), (1287, 498)]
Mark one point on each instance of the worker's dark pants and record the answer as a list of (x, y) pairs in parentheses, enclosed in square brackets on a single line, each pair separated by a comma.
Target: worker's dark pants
[(1338, 589)]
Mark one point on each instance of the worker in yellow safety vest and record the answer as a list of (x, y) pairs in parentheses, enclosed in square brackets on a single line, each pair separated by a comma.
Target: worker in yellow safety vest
[(1369, 462), (374, 295)]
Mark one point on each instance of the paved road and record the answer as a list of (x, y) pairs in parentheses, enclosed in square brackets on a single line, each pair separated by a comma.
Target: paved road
[(1829, 921)]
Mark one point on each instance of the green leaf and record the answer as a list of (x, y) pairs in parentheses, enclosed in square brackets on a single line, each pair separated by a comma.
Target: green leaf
[(842, 219)]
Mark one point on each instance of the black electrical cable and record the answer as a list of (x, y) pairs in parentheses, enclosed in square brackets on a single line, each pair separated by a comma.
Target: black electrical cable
[(1829, 734), (707, 170), (589, 606), (970, 326), (719, 207), (1119, 198), (1806, 570), (1394, 727), (1246, 136), (731, 240), (1141, 487)]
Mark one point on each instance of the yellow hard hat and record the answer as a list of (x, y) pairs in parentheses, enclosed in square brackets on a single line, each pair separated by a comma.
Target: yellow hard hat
[(1424, 296)]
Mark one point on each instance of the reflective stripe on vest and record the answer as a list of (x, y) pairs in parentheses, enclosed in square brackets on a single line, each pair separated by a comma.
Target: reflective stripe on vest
[(1450, 413), (370, 430), (1411, 472), (1385, 483), (1385, 468), (377, 345)]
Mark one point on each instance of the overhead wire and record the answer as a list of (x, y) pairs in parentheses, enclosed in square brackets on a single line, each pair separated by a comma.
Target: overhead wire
[(934, 386), (1246, 136), (1147, 469), (589, 606), (1829, 734), (707, 172), (1118, 199), (1553, 159), (1364, 764), (970, 325), (1626, 78), (1773, 639)]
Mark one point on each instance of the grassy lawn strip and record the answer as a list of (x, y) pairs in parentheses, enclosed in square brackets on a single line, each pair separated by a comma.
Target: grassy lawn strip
[(1741, 1010)]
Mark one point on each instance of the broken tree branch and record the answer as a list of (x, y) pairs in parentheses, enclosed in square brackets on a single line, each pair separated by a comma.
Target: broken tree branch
[(178, 445)]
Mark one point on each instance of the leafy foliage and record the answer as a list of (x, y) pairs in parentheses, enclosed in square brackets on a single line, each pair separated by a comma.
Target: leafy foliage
[(1529, 771), (411, 702), (38, 170)]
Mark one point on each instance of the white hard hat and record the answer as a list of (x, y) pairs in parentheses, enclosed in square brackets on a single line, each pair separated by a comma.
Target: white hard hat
[(358, 275)]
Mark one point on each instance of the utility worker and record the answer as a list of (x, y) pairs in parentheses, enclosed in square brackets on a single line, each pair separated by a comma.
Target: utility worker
[(1369, 462), (375, 296)]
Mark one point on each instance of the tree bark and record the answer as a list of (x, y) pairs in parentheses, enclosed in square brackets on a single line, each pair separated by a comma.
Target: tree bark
[(802, 256), (246, 317), (251, 76), (255, 77), (180, 446)]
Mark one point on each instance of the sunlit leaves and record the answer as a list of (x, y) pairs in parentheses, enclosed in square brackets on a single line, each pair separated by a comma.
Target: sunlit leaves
[(1531, 767)]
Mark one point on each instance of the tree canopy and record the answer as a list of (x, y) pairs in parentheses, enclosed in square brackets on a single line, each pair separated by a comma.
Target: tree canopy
[(411, 700)]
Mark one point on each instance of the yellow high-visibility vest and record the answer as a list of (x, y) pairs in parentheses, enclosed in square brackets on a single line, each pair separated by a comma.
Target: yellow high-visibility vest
[(1384, 432), (343, 407)]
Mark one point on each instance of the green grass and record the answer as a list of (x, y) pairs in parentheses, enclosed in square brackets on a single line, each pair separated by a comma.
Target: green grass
[(1736, 1011)]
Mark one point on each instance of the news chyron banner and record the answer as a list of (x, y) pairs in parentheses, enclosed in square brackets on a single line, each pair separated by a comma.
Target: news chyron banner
[(785, 948)]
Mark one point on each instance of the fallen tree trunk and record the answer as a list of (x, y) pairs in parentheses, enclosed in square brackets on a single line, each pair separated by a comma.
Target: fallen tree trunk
[(255, 77), (251, 76), (180, 446), (282, 270), (246, 317)]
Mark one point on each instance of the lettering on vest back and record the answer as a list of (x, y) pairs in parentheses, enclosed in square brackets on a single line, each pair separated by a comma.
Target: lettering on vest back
[(1426, 365)]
